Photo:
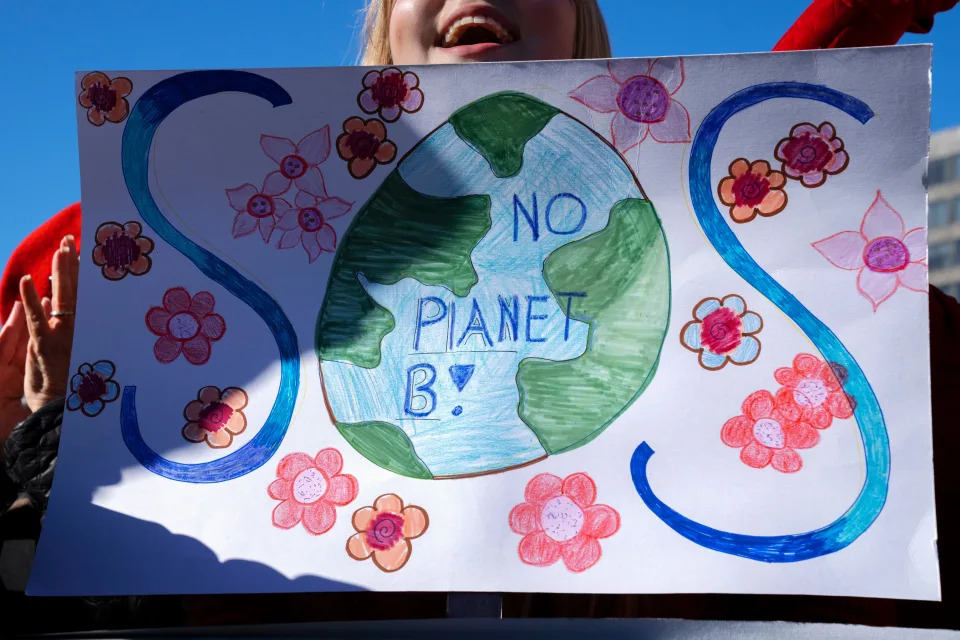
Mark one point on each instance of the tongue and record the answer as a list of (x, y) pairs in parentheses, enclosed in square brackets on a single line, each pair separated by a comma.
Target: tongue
[(476, 35)]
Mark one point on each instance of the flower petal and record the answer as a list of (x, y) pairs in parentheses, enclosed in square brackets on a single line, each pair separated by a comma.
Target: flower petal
[(292, 464), (390, 113), (838, 163), (813, 178), (734, 302), (266, 228), (539, 549), (280, 489), (287, 514), (234, 397), (675, 126), (240, 196), (916, 243), (759, 404), (747, 351), (366, 101), (94, 77), (275, 183), (288, 219), (690, 335), (290, 238), (752, 322), (176, 300), (705, 308), (166, 349), (388, 502), (622, 70), (277, 148), (304, 200), (542, 487), (92, 409), (361, 167), (73, 402), (844, 249), (96, 117), (756, 455), (881, 220), (157, 318), (309, 242), (669, 72), (787, 461), (737, 432), (725, 191), (220, 439), (743, 213), (525, 518), (315, 146), (106, 230), (386, 152), (326, 238), (319, 517), (362, 517), (370, 78), (807, 364), (411, 80), (112, 392), (312, 182), (122, 86), (625, 133), (581, 488), (194, 432), (773, 203), (342, 489), (581, 553), (800, 436), (393, 558), (415, 522), (876, 286), (333, 208), (598, 93), (914, 276), (839, 405), (197, 350), (243, 225), (738, 167), (357, 547), (209, 394), (414, 99), (600, 521), (713, 361)]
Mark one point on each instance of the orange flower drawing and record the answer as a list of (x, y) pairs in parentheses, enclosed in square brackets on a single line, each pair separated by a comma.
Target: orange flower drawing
[(751, 189), (364, 145), (121, 250), (104, 99), (215, 416), (384, 531)]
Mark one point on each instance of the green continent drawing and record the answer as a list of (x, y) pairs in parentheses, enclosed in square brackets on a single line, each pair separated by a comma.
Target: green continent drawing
[(502, 296)]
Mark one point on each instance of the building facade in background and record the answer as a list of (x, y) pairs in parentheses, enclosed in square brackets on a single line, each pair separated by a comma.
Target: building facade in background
[(943, 181)]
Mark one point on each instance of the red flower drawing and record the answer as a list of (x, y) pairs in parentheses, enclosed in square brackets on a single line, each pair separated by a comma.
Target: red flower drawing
[(559, 520), (751, 189), (297, 163), (104, 99), (306, 223), (309, 489), (215, 416), (121, 250), (767, 435), (255, 209), (185, 325), (390, 92), (811, 153), (812, 391)]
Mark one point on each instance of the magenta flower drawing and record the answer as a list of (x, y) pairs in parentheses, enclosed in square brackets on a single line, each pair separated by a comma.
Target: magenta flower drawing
[(885, 255), (641, 99), (307, 223), (255, 209), (297, 163), (390, 92)]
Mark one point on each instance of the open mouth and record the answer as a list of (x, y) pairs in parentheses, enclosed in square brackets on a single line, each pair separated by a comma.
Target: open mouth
[(476, 27)]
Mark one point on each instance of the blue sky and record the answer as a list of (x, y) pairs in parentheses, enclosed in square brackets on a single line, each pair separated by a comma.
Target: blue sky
[(43, 42)]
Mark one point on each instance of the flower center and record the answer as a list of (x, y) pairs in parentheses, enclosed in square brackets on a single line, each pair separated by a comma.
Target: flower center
[(363, 144), (260, 205), (721, 330), (183, 326), (811, 392), (750, 189), (92, 386), (886, 255), (389, 90), (769, 433), (293, 166), (120, 250), (385, 530), (643, 99), (561, 519), (310, 219), (309, 486), (103, 98), (215, 415), (807, 153)]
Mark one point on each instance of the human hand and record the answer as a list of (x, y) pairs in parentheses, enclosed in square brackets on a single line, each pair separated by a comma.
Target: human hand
[(50, 327), (13, 355)]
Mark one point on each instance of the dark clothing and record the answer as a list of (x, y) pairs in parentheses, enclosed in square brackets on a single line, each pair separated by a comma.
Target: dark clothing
[(30, 455)]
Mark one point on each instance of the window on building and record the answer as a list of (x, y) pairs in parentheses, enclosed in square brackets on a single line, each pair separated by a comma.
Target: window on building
[(943, 170), (940, 255), (940, 213), (952, 290)]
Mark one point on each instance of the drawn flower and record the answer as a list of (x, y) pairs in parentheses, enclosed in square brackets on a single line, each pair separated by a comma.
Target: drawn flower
[(751, 189), (120, 250), (364, 145), (104, 99), (92, 387), (215, 416), (810, 153), (306, 223), (812, 391), (255, 209), (390, 92), (766, 435), (559, 520), (297, 162), (309, 489), (723, 331), (384, 532), (641, 103), (186, 325), (884, 255)]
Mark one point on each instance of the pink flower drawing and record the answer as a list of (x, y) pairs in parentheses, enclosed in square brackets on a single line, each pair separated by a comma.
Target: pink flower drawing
[(641, 102), (559, 520), (811, 153), (297, 163), (309, 489), (390, 92), (306, 223), (185, 325), (812, 391), (883, 253), (767, 435), (256, 210)]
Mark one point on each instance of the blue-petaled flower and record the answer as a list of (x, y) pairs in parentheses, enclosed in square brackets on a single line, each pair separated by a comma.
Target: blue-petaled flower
[(722, 331), (92, 387)]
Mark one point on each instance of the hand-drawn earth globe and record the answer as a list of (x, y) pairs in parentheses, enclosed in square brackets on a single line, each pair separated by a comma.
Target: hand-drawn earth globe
[(502, 296)]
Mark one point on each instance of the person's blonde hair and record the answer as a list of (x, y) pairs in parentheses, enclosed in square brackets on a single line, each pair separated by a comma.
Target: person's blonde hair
[(590, 41)]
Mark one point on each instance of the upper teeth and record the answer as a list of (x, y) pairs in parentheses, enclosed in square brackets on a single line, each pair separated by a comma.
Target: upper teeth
[(457, 28)]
